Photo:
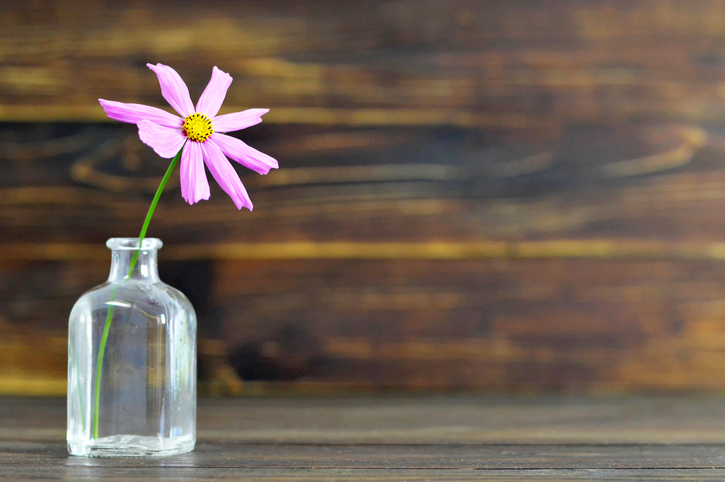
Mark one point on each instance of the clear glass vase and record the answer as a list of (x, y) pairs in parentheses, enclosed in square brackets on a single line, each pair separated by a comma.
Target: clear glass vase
[(138, 398)]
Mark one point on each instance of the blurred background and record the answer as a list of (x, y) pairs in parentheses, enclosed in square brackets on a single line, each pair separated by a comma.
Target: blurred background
[(472, 195)]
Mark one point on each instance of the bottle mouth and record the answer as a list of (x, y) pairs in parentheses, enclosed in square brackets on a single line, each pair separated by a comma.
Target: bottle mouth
[(132, 244)]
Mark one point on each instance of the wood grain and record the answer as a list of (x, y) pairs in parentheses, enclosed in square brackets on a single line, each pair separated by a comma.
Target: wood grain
[(377, 262), (384, 62), (373, 438), (472, 195)]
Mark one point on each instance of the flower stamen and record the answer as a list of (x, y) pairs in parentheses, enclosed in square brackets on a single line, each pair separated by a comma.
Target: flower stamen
[(198, 127)]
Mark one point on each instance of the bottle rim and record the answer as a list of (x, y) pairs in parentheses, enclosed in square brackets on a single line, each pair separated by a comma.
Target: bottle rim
[(132, 244)]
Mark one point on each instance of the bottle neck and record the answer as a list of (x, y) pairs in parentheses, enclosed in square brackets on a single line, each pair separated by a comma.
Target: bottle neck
[(145, 268)]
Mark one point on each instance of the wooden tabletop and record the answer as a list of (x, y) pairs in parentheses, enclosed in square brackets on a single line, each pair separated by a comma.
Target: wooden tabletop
[(409, 438)]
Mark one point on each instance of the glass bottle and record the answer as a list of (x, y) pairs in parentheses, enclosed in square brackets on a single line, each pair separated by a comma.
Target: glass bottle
[(139, 397)]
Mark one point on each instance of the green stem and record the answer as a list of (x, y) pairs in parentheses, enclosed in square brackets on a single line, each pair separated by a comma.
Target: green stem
[(107, 327)]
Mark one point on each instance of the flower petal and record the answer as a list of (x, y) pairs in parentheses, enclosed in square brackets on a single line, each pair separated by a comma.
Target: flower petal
[(194, 184), (213, 96), (243, 154), (166, 141), (132, 113), (225, 175), (173, 89), (238, 120)]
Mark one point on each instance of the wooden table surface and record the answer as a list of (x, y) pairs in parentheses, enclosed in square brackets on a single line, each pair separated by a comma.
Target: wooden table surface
[(438, 438)]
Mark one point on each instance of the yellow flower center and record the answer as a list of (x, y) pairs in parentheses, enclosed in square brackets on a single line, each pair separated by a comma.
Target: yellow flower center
[(198, 127)]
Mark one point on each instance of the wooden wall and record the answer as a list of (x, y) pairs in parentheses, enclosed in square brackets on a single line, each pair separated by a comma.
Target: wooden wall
[(473, 194)]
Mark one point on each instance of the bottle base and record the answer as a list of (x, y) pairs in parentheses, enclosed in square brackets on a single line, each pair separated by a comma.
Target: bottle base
[(132, 446)]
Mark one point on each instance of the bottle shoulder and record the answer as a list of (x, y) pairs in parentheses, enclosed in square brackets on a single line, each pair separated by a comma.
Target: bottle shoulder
[(156, 296), (173, 293)]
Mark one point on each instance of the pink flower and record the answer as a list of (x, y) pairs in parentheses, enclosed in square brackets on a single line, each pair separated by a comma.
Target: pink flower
[(199, 132)]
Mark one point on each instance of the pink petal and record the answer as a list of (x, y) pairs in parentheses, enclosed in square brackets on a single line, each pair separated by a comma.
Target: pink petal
[(173, 89), (243, 154), (213, 96), (166, 141), (225, 175), (132, 113), (194, 184), (238, 120)]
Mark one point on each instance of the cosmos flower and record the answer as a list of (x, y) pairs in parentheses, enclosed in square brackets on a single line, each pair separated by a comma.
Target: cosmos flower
[(198, 133)]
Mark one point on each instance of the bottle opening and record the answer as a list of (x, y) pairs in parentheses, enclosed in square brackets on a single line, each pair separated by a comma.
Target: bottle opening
[(133, 243)]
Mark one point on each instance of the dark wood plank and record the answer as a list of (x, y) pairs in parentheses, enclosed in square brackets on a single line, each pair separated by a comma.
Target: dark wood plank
[(314, 473), (377, 261), (463, 62)]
